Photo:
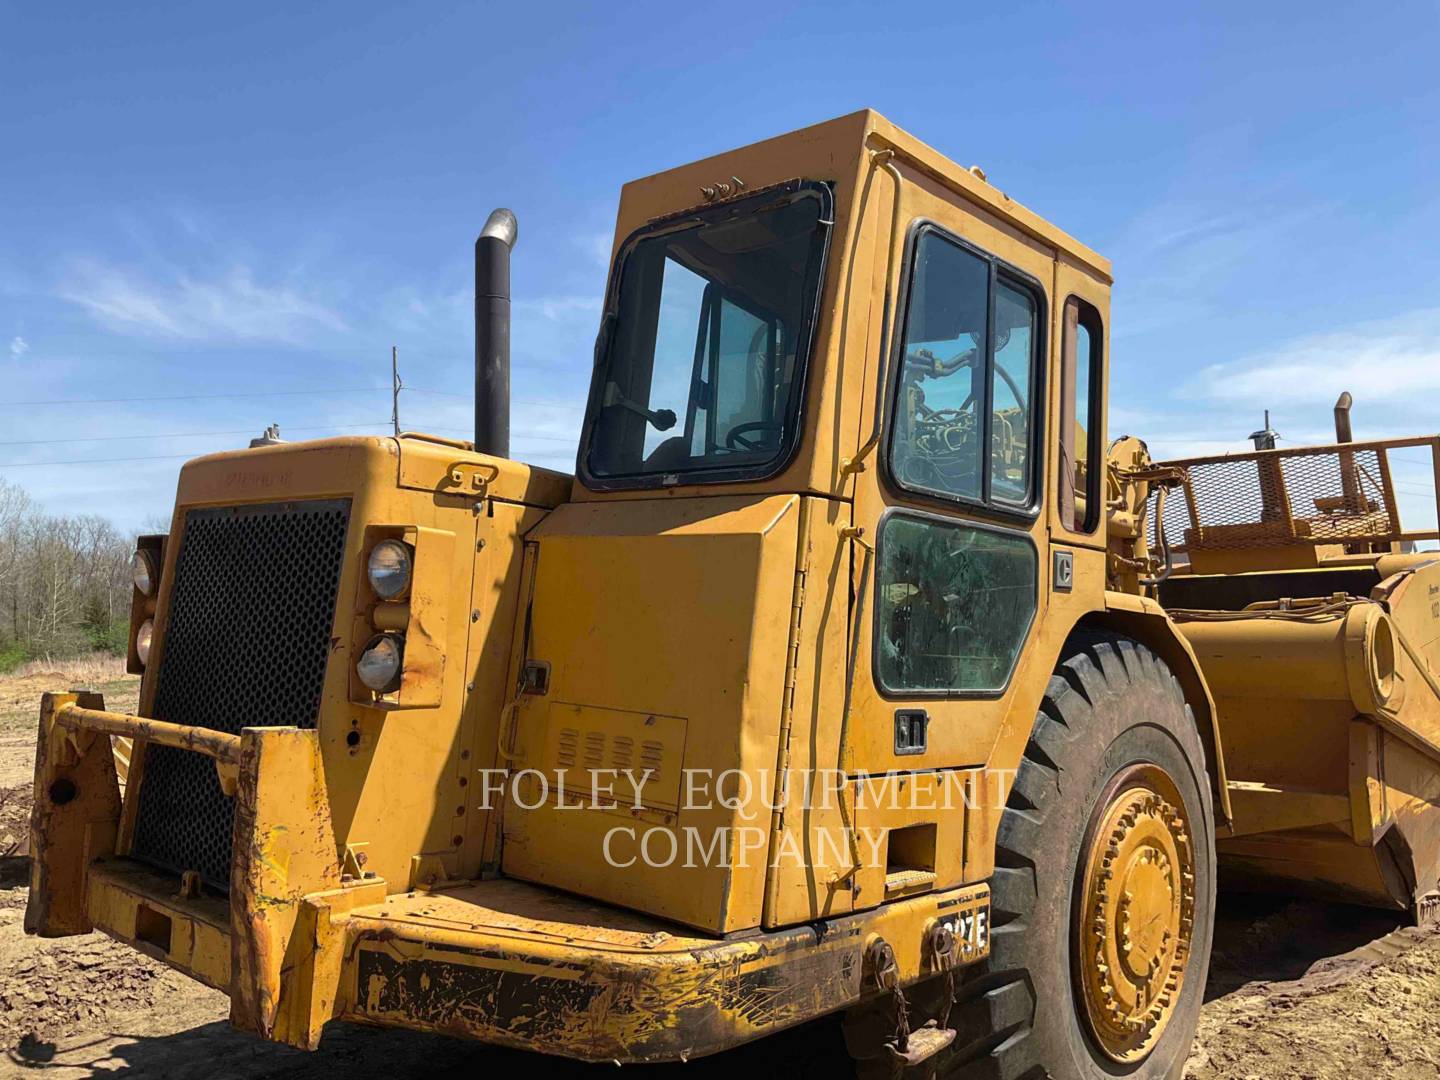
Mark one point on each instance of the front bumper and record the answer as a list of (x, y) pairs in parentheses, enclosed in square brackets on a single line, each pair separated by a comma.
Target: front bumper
[(496, 960)]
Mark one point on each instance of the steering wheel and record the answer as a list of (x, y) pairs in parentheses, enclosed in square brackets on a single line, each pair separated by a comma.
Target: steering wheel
[(741, 436), (965, 359)]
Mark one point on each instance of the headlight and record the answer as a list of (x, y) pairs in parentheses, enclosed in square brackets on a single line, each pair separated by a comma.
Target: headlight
[(142, 640), (390, 569), (379, 665), (142, 572)]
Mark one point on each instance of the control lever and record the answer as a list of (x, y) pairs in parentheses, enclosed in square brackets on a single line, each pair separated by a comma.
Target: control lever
[(662, 419)]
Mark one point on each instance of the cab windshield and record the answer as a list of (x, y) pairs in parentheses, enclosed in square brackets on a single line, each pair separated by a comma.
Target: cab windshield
[(703, 359)]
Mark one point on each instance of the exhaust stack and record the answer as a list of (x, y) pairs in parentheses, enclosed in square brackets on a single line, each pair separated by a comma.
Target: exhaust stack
[(1342, 418), (1349, 471), (492, 333)]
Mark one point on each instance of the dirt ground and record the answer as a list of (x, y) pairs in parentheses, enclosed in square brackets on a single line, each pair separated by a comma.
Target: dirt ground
[(1296, 990)]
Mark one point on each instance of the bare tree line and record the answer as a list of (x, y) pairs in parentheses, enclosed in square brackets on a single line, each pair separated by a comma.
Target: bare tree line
[(64, 581)]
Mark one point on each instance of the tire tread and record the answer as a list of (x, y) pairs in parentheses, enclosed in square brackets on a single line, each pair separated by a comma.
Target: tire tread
[(994, 1009)]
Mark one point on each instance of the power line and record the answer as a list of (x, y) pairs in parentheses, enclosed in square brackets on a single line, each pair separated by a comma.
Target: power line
[(184, 434), (94, 461), (517, 401), (514, 434), (278, 393), (247, 431), (200, 397)]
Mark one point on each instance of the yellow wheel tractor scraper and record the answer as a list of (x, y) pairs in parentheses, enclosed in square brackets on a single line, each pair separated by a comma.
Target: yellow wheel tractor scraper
[(852, 673)]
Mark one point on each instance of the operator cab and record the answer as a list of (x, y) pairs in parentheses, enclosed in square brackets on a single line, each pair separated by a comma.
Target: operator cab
[(818, 428)]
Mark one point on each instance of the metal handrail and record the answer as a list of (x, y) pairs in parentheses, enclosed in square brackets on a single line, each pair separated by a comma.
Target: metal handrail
[(220, 745), (1350, 467), (1308, 451)]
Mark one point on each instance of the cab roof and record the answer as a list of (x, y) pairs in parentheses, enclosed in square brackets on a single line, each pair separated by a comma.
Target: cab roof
[(833, 150)]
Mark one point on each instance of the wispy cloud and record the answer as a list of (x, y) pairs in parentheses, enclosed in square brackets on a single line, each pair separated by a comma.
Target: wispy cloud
[(446, 311), (1392, 366), (597, 246), (233, 306), (584, 309), (1390, 362), (18, 347)]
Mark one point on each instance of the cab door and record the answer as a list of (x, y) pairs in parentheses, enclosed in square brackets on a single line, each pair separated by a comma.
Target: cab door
[(951, 577)]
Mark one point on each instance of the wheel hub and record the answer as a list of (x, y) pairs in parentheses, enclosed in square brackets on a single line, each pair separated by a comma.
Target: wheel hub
[(1136, 912)]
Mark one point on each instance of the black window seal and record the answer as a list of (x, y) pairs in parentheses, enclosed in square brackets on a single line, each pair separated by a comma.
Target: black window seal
[(804, 346), (999, 270), (1088, 316), (890, 694)]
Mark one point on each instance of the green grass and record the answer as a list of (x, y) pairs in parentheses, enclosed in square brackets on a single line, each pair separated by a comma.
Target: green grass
[(12, 656)]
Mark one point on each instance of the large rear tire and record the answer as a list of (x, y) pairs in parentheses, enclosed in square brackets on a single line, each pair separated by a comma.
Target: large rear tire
[(1104, 889)]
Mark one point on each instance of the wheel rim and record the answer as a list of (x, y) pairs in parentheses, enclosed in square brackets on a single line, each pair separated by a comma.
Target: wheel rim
[(1137, 911)]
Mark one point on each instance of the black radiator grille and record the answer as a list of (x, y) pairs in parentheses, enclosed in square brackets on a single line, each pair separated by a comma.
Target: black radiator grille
[(246, 643)]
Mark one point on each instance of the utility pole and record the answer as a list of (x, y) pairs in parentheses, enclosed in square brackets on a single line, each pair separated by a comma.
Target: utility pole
[(395, 387)]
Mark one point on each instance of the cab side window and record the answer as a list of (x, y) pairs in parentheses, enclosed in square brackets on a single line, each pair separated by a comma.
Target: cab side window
[(1080, 379), (962, 423), (1014, 352)]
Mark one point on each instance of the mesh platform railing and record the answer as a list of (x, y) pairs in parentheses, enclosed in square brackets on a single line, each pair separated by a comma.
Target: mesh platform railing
[(1341, 494)]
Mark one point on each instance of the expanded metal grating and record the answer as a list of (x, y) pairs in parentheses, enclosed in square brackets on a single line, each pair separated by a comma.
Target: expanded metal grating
[(246, 642), (1313, 495)]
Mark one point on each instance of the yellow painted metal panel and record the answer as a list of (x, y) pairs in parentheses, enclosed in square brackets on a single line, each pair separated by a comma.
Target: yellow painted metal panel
[(637, 756), (454, 470), (811, 851), (196, 931), (499, 599), (676, 609), (888, 802), (75, 816), (284, 850)]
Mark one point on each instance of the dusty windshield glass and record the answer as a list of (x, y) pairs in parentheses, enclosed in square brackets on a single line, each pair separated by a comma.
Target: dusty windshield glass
[(705, 364)]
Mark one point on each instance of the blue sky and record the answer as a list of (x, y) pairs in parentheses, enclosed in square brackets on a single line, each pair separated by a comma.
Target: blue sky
[(202, 199)]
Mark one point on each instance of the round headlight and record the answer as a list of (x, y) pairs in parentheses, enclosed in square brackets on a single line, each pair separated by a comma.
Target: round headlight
[(390, 569), (142, 640), (379, 664), (142, 572)]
